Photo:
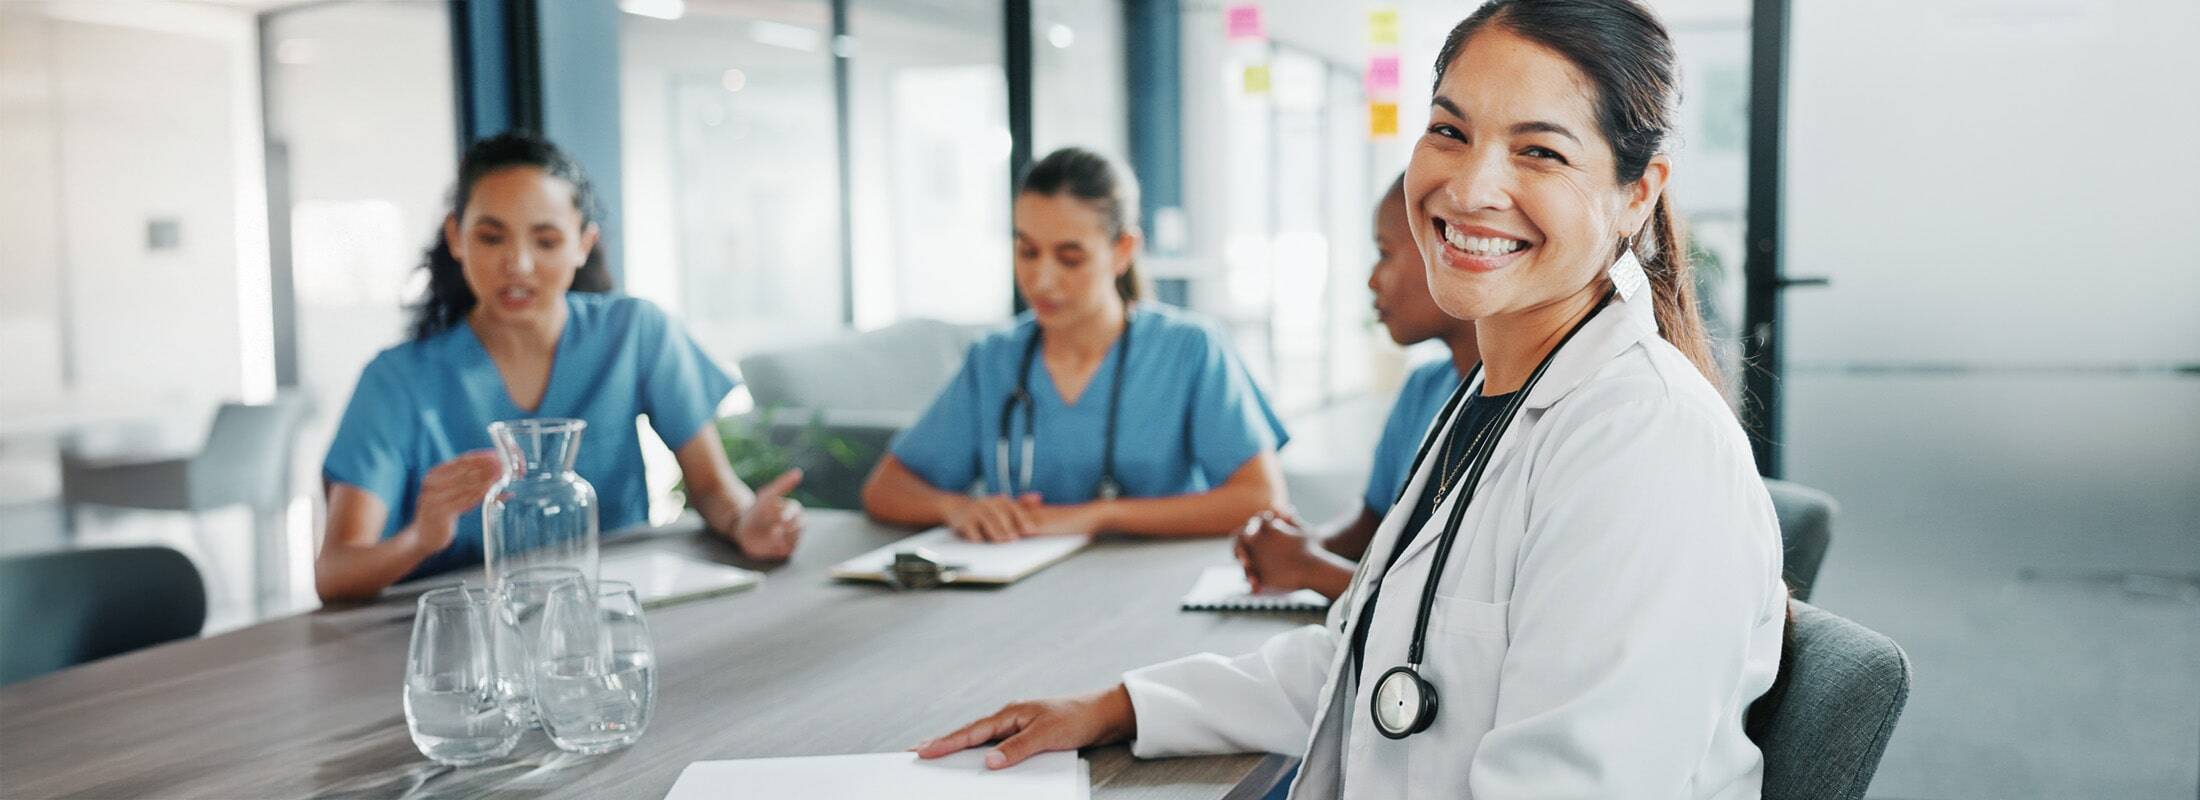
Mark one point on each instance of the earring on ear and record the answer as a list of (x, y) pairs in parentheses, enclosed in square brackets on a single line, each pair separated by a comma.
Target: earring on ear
[(1626, 273)]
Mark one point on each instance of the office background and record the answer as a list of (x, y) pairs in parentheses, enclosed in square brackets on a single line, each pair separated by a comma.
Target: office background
[(214, 201)]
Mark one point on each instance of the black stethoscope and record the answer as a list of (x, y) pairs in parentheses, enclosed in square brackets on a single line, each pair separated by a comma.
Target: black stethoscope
[(1021, 396), (1404, 703)]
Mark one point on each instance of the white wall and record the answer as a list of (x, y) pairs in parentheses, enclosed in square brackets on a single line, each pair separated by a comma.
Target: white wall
[(361, 95), (732, 217), (1995, 183), (30, 217), (929, 121), (1078, 89), (117, 115)]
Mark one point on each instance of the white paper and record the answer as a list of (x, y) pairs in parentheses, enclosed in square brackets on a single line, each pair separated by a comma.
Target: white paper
[(661, 578), (899, 776), (978, 562), (1224, 589)]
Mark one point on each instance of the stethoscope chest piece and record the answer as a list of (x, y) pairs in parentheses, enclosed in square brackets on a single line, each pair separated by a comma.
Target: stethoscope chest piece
[(1403, 703)]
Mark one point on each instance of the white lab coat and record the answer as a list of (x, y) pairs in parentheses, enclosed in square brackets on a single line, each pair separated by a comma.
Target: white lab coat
[(1612, 606)]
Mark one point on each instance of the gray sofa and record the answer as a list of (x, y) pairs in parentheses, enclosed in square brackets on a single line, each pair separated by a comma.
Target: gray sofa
[(831, 407)]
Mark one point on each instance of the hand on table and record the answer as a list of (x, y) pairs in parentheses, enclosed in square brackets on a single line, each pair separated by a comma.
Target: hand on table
[(1032, 727)]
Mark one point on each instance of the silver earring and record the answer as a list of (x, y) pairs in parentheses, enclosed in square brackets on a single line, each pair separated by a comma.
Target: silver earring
[(1626, 273)]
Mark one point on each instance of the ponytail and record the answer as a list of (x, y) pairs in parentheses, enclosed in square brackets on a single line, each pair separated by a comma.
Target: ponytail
[(1128, 285), (1663, 250)]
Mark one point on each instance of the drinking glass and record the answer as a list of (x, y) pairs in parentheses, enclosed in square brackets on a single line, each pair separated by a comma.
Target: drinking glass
[(595, 671), (452, 707), (520, 599)]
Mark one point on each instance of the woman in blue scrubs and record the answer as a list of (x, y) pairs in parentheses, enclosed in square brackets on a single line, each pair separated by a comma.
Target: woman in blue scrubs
[(1094, 412), (1277, 550), (517, 323)]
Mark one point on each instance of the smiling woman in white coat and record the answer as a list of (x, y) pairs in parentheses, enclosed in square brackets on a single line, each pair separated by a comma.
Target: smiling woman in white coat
[(1578, 594)]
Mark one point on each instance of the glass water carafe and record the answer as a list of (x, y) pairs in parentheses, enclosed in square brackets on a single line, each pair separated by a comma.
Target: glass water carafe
[(542, 514)]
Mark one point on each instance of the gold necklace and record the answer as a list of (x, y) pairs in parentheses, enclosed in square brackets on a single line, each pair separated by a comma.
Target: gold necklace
[(1448, 472)]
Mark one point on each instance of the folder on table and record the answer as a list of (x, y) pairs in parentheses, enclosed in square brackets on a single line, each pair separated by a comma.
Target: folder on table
[(1047, 776), (662, 578)]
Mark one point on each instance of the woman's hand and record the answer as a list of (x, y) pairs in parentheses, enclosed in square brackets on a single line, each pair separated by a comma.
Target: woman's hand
[(1273, 549), (448, 491), (993, 518), (1032, 727), (770, 528), (1082, 519)]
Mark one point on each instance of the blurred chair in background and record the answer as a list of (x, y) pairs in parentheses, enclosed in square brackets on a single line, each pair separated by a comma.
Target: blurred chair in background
[(63, 608), (246, 462), (1825, 724), (1806, 527)]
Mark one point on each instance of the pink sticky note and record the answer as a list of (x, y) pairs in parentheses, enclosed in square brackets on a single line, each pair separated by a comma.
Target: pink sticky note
[(1243, 20), (1382, 75)]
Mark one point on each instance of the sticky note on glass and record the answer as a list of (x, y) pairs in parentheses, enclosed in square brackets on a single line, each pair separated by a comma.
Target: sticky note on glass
[(1382, 75), (1382, 119), (1243, 21), (1382, 27), (1256, 79)]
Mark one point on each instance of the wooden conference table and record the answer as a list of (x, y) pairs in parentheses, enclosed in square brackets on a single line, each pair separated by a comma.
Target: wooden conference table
[(310, 705)]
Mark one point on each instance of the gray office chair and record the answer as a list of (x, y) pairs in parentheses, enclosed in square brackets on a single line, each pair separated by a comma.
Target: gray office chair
[(246, 462), (1825, 724), (1806, 527), (64, 608)]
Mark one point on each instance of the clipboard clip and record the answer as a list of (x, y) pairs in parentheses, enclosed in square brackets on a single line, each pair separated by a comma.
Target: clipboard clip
[(918, 568)]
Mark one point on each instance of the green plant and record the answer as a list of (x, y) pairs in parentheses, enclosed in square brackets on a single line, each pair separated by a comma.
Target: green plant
[(760, 449)]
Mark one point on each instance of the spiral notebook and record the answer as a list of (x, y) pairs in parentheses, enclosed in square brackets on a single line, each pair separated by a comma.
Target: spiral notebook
[(1224, 589)]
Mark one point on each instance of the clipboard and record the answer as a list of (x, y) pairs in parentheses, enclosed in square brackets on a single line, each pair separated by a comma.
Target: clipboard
[(993, 564)]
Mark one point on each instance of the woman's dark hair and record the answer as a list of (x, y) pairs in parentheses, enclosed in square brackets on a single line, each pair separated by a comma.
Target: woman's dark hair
[(1088, 176), (1625, 52), (448, 298)]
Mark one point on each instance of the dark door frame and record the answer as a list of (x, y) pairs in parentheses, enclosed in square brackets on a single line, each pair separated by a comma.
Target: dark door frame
[(1764, 280)]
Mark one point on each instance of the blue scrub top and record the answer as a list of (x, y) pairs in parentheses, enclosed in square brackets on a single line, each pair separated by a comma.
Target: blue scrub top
[(1427, 388), (425, 401), (1191, 416)]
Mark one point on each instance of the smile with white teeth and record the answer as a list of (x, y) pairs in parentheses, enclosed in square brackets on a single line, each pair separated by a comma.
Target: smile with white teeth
[(1486, 246)]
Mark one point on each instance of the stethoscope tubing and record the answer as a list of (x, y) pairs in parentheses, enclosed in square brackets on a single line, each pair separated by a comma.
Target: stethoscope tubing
[(1021, 397)]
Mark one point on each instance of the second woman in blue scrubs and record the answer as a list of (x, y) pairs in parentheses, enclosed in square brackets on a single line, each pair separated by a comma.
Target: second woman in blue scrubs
[(1095, 411)]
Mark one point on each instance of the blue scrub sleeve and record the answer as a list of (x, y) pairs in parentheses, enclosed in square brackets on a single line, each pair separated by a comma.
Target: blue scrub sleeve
[(944, 445), (373, 438), (1230, 421), (1393, 455), (681, 385)]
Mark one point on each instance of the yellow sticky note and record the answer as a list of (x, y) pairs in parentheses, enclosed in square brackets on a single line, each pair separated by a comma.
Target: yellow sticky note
[(1382, 27), (1382, 119), (1256, 80)]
